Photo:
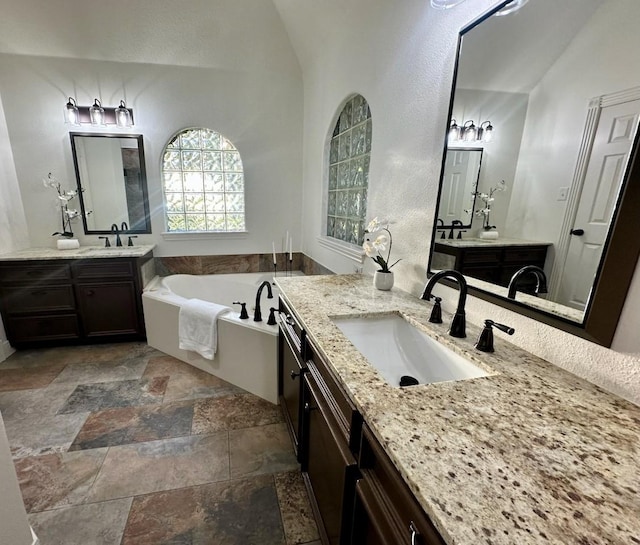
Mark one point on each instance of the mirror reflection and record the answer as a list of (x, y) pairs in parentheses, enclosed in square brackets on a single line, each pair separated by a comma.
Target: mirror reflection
[(112, 184), (565, 109), (459, 184)]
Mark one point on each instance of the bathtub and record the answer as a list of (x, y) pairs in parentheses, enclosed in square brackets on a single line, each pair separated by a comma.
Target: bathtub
[(247, 350)]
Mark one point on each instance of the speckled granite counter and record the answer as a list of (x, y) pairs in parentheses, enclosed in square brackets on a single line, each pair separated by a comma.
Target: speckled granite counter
[(482, 242), (529, 455), (84, 252)]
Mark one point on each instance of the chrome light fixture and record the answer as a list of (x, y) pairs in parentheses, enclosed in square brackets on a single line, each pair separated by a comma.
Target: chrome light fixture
[(454, 131), (71, 112), (123, 116), (485, 132), (96, 115), (469, 132)]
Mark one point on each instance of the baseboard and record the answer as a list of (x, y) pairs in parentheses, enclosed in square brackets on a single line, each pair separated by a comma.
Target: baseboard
[(5, 350)]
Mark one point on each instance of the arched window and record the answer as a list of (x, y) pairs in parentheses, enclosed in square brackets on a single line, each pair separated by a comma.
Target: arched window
[(203, 183), (349, 172)]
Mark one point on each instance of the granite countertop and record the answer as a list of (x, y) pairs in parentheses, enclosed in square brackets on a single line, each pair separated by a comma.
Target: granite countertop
[(84, 252), (530, 454), (481, 242)]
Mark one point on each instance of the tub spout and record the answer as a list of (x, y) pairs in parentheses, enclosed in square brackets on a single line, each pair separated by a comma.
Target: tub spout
[(257, 314)]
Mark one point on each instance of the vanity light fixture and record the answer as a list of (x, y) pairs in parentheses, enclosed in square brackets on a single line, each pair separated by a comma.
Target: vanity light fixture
[(97, 115), (469, 133), (71, 112), (123, 116)]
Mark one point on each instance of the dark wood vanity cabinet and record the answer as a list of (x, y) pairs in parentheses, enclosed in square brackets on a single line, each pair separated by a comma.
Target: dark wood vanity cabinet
[(357, 495), (493, 263), (71, 300), (385, 510)]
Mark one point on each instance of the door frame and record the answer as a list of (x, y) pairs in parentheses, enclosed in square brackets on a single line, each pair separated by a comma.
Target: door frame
[(575, 191)]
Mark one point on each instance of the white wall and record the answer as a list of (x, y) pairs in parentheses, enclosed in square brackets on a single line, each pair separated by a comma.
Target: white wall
[(228, 66), (400, 57)]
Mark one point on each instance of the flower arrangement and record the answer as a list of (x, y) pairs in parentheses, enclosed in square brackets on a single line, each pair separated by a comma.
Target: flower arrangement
[(373, 248), (488, 198), (64, 198)]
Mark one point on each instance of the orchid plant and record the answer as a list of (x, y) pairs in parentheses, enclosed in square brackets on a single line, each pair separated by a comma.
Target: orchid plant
[(64, 198), (374, 247), (488, 198)]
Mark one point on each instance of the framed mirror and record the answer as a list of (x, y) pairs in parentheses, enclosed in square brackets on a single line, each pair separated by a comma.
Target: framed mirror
[(564, 111), (459, 186), (112, 182)]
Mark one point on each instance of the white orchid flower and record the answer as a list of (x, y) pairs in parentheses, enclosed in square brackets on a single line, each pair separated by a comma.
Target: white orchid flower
[(369, 249), (380, 242), (374, 225)]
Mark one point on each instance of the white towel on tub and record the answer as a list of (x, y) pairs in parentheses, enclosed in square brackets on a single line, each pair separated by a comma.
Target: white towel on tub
[(198, 326)]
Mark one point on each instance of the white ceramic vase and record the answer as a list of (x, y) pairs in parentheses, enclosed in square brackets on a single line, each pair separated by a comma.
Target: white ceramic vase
[(383, 280), (67, 243), (488, 235)]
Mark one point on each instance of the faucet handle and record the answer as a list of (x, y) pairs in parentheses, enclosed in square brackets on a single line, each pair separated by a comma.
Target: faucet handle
[(107, 244), (485, 340), (272, 316), (436, 312), (130, 243), (244, 315)]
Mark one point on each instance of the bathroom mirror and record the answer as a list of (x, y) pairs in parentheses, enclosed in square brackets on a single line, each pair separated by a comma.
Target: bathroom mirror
[(560, 83), (459, 183), (112, 182)]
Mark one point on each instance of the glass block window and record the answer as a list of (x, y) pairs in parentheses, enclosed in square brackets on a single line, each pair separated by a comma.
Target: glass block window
[(203, 183), (349, 172)]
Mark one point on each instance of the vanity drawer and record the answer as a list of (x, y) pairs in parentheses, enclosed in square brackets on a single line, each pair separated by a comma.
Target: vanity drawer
[(531, 255), (382, 487), (43, 328), (40, 273), (38, 298), (482, 255), (103, 268)]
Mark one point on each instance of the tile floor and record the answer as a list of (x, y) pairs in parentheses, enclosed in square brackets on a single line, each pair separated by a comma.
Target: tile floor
[(123, 445)]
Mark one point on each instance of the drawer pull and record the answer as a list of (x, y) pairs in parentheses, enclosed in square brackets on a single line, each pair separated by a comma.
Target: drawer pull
[(289, 320), (294, 375), (414, 533), (308, 408)]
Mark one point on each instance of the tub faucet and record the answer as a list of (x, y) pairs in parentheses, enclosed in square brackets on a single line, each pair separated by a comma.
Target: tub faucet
[(114, 230), (257, 314), (541, 280), (458, 324)]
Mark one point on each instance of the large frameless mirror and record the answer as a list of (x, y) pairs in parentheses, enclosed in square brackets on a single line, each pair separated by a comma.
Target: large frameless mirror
[(560, 84), (112, 182)]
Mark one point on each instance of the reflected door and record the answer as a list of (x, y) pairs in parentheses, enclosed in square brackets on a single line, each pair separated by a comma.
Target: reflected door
[(607, 164), (461, 172)]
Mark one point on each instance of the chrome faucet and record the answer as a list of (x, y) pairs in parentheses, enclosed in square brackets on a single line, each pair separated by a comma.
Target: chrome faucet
[(257, 314), (114, 230), (458, 324), (541, 280)]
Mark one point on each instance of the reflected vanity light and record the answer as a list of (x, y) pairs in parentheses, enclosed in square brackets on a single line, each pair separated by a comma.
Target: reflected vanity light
[(97, 115), (470, 133)]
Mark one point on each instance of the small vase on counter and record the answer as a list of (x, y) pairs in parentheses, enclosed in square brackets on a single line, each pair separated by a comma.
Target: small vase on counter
[(383, 280), (67, 243)]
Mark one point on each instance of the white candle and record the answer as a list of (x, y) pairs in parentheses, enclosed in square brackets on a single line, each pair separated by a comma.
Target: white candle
[(273, 245), (286, 241), (291, 249)]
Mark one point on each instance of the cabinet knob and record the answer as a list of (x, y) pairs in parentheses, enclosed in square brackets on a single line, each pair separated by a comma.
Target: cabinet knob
[(308, 408), (89, 293), (289, 320), (294, 375)]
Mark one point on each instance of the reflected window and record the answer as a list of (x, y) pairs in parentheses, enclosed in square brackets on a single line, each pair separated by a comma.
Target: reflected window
[(349, 172), (203, 182)]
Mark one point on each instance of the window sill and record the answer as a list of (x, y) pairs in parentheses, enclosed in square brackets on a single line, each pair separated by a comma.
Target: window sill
[(202, 235), (354, 253)]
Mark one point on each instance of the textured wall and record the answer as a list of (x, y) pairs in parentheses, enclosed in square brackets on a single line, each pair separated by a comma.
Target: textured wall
[(400, 57)]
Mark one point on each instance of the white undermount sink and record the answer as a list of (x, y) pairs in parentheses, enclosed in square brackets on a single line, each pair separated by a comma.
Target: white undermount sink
[(398, 349)]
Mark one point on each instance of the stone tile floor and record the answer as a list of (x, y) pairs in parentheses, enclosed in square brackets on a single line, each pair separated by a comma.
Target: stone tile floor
[(121, 444)]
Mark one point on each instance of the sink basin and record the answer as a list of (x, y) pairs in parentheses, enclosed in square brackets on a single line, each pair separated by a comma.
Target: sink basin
[(397, 349)]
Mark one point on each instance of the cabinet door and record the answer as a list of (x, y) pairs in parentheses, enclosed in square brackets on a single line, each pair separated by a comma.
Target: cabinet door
[(290, 388), (330, 468), (108, 308)]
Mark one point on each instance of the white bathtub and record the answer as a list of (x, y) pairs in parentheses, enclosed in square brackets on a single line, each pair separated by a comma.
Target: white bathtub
[(247, 350)]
